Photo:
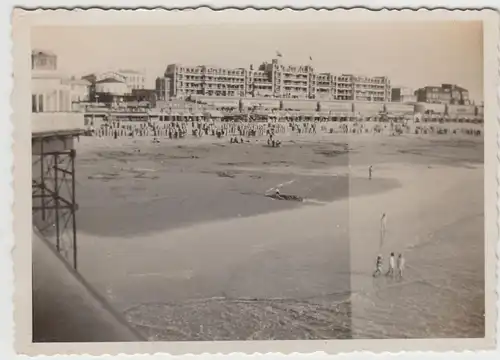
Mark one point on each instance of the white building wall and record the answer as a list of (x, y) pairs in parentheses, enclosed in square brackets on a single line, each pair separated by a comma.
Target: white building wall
[(115, 88)]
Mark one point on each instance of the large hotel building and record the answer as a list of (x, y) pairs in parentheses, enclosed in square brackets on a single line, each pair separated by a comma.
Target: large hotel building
[(272, 79)]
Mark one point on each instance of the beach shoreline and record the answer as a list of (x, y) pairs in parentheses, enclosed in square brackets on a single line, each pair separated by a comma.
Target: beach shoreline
[(309, 259)]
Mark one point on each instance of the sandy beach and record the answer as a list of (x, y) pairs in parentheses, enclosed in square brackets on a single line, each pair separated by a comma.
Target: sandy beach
[(181, 238)]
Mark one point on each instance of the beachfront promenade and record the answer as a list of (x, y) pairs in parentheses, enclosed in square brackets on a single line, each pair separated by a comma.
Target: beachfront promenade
[(220, 116)]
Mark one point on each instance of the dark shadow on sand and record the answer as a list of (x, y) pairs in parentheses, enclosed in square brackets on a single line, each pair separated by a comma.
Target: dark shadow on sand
[(181, 199)]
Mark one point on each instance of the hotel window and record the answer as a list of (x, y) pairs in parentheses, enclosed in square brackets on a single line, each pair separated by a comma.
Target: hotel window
[(40, 103), (33, 103)]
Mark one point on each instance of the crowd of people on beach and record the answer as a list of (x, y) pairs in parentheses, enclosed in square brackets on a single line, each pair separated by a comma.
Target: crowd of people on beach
[(198, 129), (240, 131), (116, 129), (395, 129)]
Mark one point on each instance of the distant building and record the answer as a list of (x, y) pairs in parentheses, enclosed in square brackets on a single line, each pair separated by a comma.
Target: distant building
[(143, 95), (79, 89), (49, 90), (403, 95), (367, 88), (273, 79), (95, 78), (134, 79), (42, 60), (110, 90), (111, 86), (162, 87), (458, 95), (444, 94)]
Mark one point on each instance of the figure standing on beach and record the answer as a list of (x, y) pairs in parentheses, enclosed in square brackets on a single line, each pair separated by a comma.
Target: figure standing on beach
[(383, 228), (401, 265), (378, 266), (390, 272), (370, 170)]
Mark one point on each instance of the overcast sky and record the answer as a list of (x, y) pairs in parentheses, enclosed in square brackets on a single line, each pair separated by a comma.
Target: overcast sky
[(411, 54)]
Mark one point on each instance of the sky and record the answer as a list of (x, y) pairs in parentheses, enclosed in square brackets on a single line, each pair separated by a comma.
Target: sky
[(412, 54)]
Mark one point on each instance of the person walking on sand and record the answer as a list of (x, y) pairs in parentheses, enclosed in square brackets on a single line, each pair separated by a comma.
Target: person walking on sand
[(383, 228), (370, 171), (401, 265), (390, 272), (378, 266)]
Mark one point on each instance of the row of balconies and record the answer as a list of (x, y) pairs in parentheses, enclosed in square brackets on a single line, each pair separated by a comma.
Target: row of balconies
[(284, 83), (211, 87), (370, 86), (286, 86), (298, 76), (287, 72), (370, 81), (220, 79), (198, 70), (380, 87)]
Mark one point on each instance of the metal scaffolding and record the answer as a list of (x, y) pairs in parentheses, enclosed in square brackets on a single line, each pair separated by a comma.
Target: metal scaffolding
[(53, 194)]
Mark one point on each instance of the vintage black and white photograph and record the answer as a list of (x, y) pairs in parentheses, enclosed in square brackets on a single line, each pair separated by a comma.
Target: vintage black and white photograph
[(254, 181)]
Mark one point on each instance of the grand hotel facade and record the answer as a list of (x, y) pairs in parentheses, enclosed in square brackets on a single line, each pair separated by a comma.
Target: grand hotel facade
[(270, 79)]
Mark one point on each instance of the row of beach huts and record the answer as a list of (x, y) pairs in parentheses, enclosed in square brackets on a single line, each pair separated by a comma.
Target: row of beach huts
[(271, 109)]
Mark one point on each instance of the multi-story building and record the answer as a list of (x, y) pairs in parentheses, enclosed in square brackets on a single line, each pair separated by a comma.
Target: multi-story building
[(162, 88), (272, 79), (403, 95), (444, 94), (458, 95), (204, 80), (367, 88)]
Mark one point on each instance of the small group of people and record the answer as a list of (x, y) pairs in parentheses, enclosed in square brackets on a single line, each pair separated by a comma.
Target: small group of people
[(391, 271), (302, 127), (235, 140), (394, 265)]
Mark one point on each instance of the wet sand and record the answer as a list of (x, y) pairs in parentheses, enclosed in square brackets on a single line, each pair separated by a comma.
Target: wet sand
[(181, 238)]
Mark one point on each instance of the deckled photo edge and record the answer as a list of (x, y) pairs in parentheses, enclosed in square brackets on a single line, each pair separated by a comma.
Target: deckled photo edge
[(22, 24)]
